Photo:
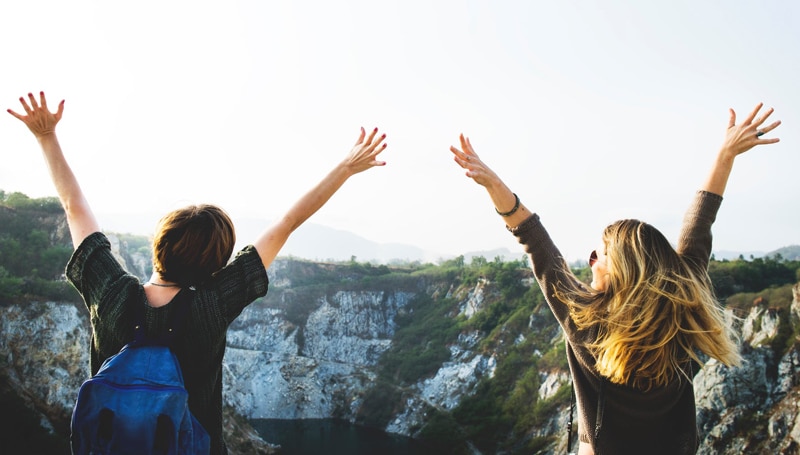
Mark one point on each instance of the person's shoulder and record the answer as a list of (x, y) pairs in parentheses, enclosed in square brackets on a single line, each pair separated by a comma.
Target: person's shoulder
[(247, 255), (93, 241), (246, 263), (88, 248)]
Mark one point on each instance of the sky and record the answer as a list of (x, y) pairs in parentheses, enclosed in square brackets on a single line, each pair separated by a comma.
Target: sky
[(589, 111)]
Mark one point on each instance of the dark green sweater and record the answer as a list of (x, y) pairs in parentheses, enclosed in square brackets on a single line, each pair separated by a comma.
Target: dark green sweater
[(659, 421), (110, 294)]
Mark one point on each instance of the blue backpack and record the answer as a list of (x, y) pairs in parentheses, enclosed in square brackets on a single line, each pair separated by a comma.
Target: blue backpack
[(137, 402)]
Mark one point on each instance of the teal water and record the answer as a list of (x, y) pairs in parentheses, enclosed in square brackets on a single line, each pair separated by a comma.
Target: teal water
[(334, 437)]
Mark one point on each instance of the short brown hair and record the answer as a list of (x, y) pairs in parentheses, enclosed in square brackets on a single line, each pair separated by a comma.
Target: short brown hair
[(192, 243)]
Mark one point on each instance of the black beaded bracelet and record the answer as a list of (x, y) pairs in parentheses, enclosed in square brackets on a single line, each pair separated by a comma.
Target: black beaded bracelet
[(512, 211)]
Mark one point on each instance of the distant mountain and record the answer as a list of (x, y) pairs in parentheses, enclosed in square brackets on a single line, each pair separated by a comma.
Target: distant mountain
[(311, 241), (791, 253), (321, 243), (733, 255)]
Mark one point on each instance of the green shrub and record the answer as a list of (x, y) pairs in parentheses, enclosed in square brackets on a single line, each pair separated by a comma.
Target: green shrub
[(444, 434)]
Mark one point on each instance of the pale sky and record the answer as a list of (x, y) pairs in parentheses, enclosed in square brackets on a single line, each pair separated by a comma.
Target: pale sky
[(590, 111)]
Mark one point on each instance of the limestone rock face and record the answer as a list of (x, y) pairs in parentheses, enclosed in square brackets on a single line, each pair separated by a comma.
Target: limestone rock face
[(44, 354), (734, 404)]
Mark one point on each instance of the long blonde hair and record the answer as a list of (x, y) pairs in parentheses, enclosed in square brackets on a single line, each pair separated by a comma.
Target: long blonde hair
[(657, 311)]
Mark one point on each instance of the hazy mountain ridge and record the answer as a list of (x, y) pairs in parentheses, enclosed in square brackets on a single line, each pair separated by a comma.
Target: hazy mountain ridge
[(791, 253), (317, 242), (320, 243)]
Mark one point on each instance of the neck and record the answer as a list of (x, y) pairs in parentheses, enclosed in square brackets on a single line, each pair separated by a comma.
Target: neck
[(157, 281)]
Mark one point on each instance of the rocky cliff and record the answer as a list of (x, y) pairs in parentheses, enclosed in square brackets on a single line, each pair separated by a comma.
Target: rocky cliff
[(754, 408), (311, 350)]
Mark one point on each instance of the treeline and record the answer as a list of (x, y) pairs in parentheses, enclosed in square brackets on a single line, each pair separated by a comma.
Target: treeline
[(33, 250), (741, 276)]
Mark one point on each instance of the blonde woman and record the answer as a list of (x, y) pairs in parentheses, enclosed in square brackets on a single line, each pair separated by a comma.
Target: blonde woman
[(634, 334)]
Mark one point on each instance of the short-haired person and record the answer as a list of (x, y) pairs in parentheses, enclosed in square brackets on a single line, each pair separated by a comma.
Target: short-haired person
[(633, 335), (191, 250)]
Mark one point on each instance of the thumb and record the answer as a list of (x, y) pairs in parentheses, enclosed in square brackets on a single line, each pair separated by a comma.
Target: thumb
[(60, 110), (731, 119)]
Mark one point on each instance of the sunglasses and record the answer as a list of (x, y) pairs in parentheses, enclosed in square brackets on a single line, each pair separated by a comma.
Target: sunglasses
[(592, 258)]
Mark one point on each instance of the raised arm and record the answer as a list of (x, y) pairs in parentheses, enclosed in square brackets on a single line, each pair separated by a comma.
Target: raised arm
[(362, 157), (42, 124), (506, 203), (738, 139)]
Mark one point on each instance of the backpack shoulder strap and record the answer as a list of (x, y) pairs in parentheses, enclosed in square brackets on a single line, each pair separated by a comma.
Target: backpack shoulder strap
[(601, 405), (569, 420)]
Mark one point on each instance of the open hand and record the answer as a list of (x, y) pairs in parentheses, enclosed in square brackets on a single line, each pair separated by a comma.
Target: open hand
[(39, 119), (477, 170), (365, 151), (741, 138)]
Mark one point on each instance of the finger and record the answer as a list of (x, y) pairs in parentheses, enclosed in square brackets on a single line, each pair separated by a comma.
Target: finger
[(456, 155), (372, 135), (461, 163), (461, 158), (753, 114), (25, 105), (457, 151), (360, 136), (377, 143), (463, 141), (370, 153), (42, 100), (377, 151), (60, 110), (469, 148), (764, 117), (773, 125), (768, 128), (731, 118), (14, 114), (34, 104)]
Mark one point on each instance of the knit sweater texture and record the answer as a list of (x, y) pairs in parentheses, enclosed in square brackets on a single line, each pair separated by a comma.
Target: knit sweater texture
[(631, 421), (111, 295)]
